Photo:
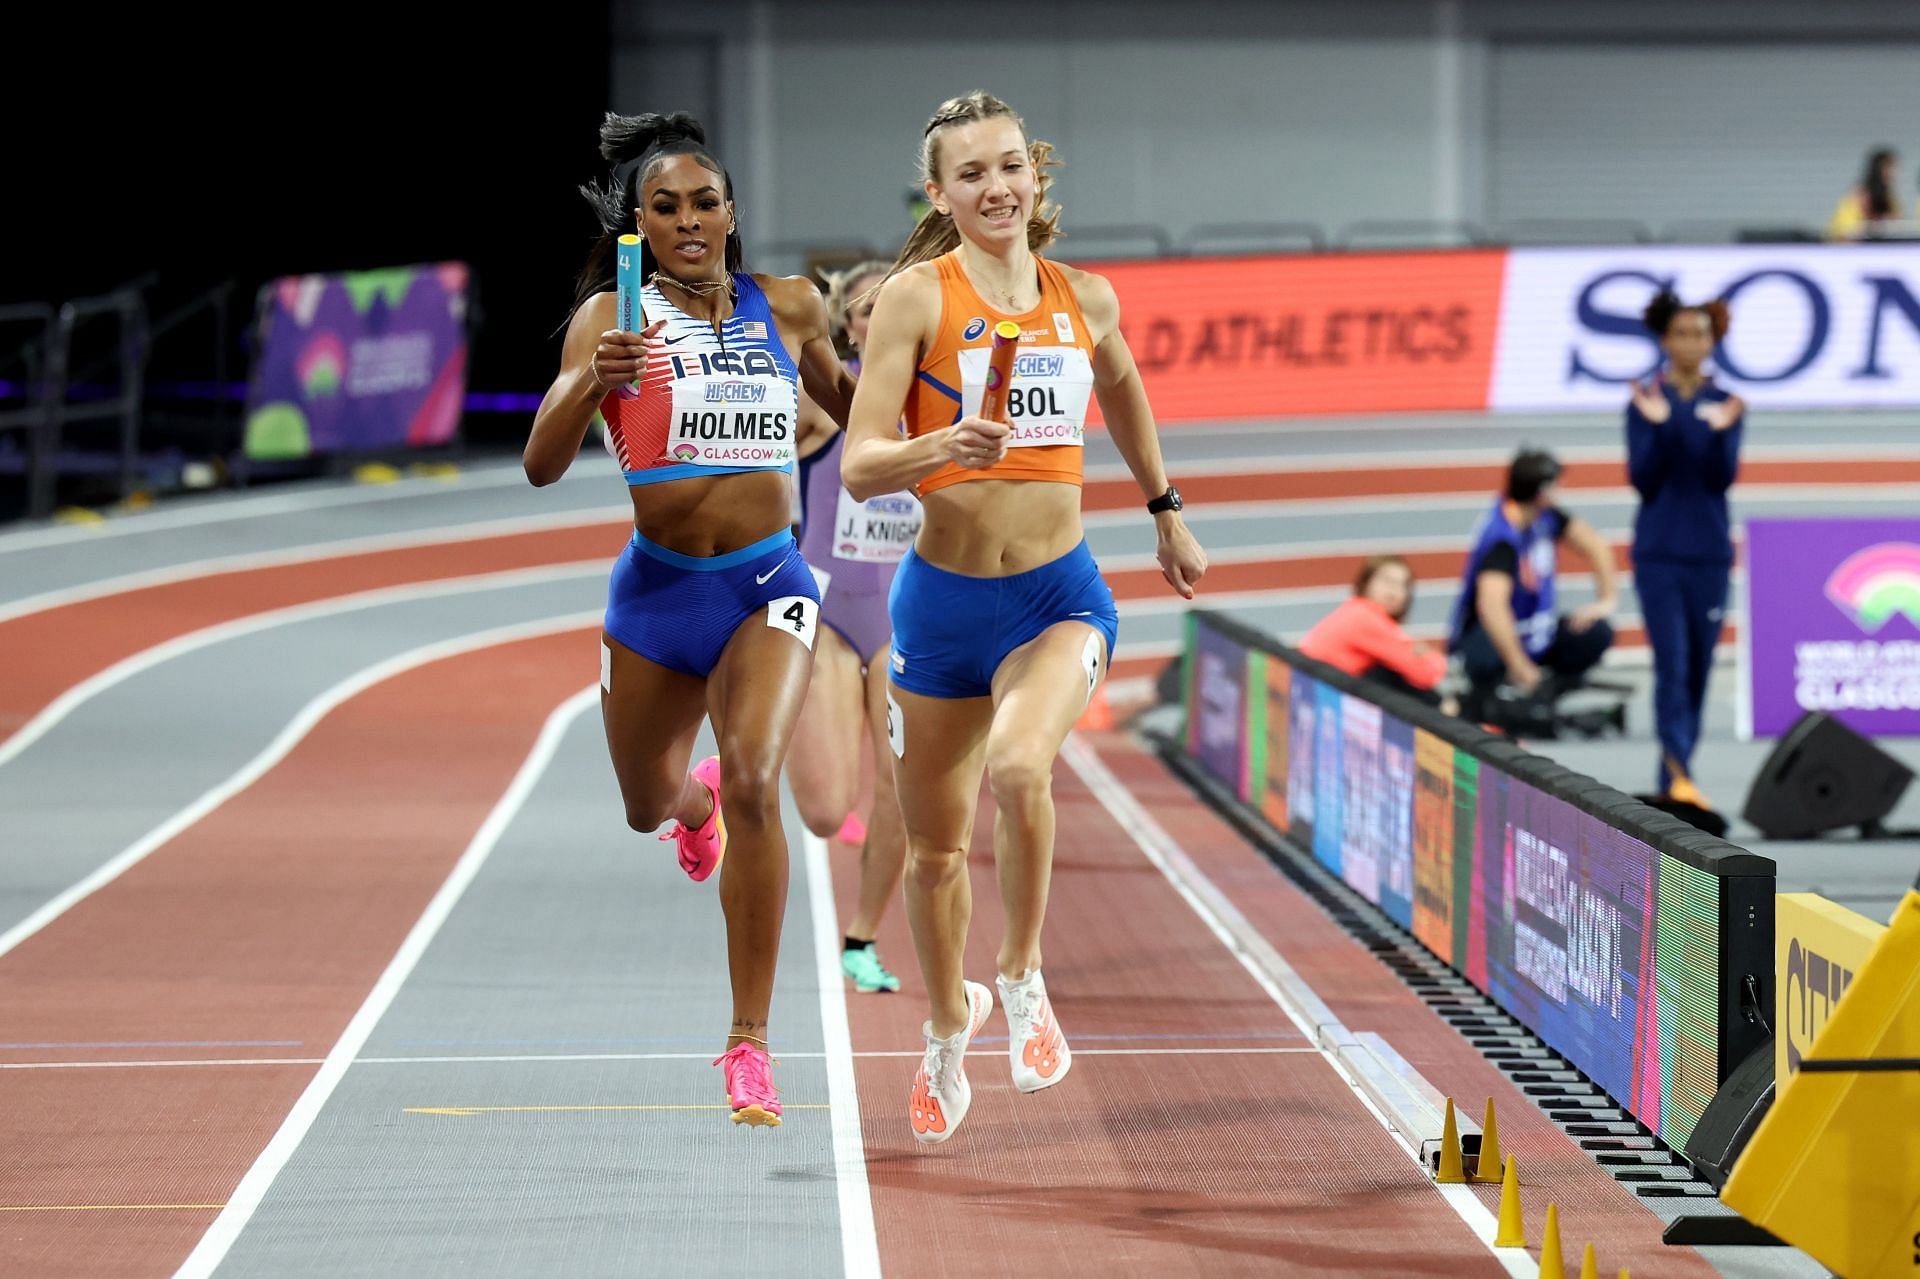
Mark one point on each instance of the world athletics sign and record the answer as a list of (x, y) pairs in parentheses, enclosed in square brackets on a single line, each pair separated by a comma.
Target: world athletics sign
[(1833, 625)]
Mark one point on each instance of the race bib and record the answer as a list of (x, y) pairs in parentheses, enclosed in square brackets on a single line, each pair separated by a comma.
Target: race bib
[(877, 531), (732, 421), (1047, 401)]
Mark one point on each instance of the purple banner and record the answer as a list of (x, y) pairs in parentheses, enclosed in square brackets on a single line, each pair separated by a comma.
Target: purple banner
[(1833, 624), (1217, 728), (367, 361)]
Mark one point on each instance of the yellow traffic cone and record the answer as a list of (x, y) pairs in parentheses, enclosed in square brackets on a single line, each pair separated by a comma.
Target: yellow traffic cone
[(1512, 1233), (1589, 1265), (1451, 1172), (1488, 1167), (1551, 1267)]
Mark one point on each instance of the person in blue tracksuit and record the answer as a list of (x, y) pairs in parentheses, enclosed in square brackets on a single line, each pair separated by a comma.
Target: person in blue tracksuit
[(1505, 625), (1683, 453)]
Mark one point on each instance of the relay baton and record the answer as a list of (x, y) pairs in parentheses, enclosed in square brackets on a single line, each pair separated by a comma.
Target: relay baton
[(628, 284), (993, 398)]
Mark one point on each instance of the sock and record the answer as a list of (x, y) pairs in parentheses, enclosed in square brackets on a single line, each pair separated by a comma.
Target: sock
[(855, 943)]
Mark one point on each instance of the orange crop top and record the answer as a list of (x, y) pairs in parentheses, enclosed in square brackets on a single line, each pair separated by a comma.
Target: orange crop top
[(1052, 379)]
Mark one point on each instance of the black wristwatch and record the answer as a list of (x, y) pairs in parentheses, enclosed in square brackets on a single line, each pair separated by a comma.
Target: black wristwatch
[(1167, 501)]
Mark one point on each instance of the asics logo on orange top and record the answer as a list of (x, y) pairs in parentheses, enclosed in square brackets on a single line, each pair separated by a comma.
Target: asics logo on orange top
[(1042, 1052), (1051, 387)]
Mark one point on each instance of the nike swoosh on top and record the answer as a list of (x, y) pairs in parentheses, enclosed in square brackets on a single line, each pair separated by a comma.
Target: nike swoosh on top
[(683, 337)]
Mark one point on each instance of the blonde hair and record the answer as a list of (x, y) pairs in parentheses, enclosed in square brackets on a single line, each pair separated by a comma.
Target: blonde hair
[(936, 233), (840, 296)]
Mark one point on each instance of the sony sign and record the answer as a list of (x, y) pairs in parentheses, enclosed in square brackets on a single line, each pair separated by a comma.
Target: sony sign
[(1814, 326)]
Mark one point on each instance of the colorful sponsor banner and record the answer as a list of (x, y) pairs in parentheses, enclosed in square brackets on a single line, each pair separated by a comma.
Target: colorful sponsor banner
[(1818, 946), (362, 362), (1602, 947), (1833, 624), (1275, 771), (1337, 333), (1815, 326), (1217, 715)]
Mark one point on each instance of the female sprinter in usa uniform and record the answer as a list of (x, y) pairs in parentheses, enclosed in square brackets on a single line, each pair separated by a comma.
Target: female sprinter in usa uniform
[(711, 611), (1002, 626), (852, 548)]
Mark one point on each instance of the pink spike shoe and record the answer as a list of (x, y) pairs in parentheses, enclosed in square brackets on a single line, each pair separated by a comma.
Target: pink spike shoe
[(750, 1086), (702, 849)]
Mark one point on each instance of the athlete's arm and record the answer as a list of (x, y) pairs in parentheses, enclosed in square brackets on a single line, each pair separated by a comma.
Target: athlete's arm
[(1493, 602), (1123, 402), (1586, 540), (877, 460), (816, 428), (594, 359), (801, 314)]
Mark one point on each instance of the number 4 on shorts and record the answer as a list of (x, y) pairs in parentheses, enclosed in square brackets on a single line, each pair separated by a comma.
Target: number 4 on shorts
[(795, 614)]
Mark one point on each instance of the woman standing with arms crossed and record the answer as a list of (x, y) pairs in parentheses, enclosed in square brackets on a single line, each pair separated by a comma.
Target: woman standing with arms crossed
[(1683, 453), (852, 548), (710, 611), (1002, 624)]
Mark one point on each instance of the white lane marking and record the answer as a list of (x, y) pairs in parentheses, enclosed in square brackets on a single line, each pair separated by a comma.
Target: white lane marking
[(562, 1058), (1292, 460), (1264, 963), (859, 1243), (138, 663), (1171, 603), (1374, 504), (247, 1196), (303, 723), (309, 552), (218, 511)]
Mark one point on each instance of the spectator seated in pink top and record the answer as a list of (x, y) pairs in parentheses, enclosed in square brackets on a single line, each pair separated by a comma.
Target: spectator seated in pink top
[(1364, 638)]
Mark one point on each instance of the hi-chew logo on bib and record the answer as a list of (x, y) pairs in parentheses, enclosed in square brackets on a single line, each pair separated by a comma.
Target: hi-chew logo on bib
[(732, 421), (1047, 400), (878, 530)]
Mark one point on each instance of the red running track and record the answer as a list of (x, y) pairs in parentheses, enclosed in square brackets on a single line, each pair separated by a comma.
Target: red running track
[(270, 919)]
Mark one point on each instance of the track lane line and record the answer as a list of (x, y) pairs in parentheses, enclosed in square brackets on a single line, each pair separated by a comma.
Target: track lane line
[(146, 659), (1263, 963), (303, 723), (248, 1195)]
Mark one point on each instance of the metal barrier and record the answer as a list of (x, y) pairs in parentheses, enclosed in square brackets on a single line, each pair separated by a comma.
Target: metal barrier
[(1254, 237), (1575, 231), (1077, 237), (1412, 233), (38, 388)]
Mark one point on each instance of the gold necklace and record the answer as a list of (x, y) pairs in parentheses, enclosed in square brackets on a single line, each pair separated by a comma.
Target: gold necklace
[(694, 288)]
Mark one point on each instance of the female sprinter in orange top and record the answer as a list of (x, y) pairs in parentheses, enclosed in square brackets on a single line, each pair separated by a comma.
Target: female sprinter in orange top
[(710, 611), (1002, 626), (853, 549)]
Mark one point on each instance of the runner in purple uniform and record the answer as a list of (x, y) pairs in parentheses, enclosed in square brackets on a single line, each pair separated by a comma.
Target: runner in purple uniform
[(853, 548)]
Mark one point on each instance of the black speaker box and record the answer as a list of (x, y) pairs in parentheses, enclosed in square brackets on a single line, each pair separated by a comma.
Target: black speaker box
[(1822, 776), (1729, 1120)]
